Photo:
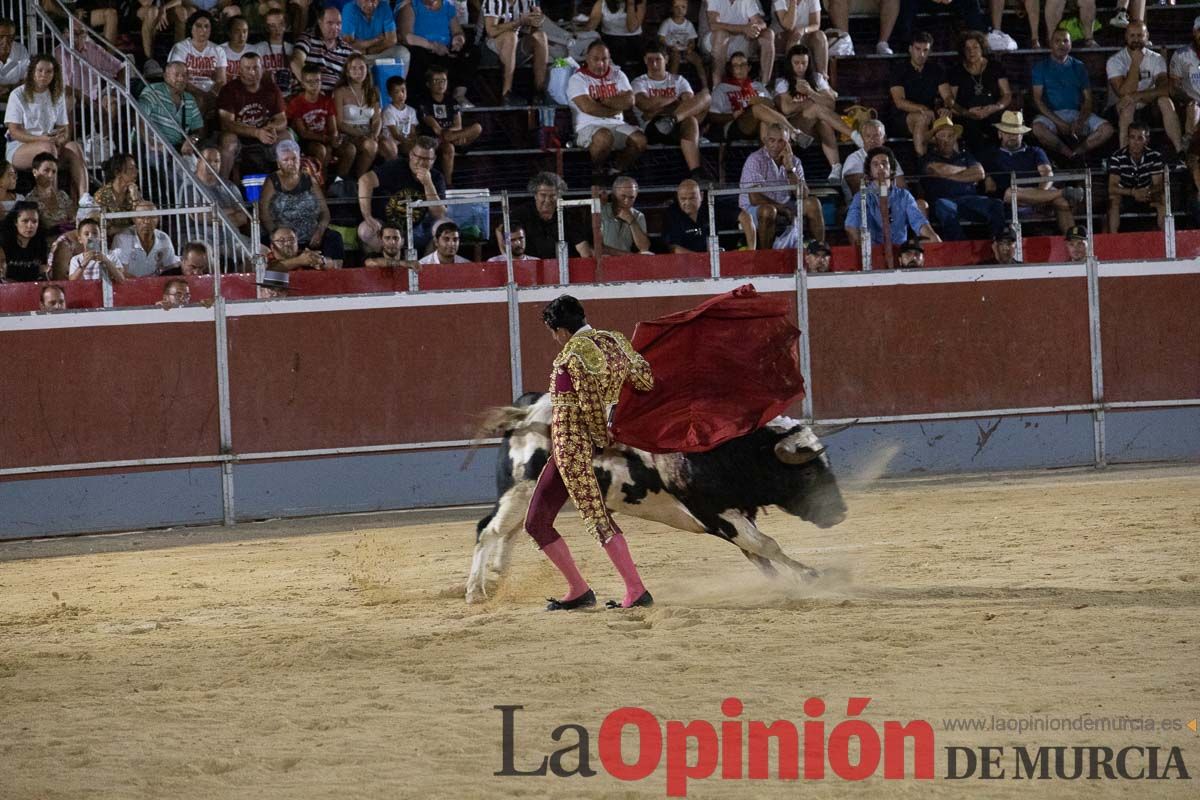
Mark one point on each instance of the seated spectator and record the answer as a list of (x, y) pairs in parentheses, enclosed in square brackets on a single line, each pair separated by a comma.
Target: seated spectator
[(171, 108), (157, 16), (384, 193), (600, 95), (88, 264), (369, 27), (176, 294), (766, 212), (236, 47), (359, 118), (915, 91), (291, 199), (227, 198), (912, 254), (737, 27), (667, 109), (52, 298), (1014, 156), (276, 52), (998, 41), (433, 34), (1077, 243), (686, 229), (1185, 81), (807, 100), (678, 37), (69, 245), (144, 249), (1137, 80), (1135, 178), (800, 23), (204, 60), (314, 119), (252, 120), (741, 107), (442, 120), (8, 188), (970, 12), (55, 206), (274, 284), (120, 192), (623, 227), (285, 254), (516, 243), (400, 123), (14, 60), (36, 118), (976, 91), (874, 134), (445, 240), (392, 254), (1004, 247), (1054, 15), (194, 263), (816, 256), (903, 215), (324, 47), (514, 33), (539, 220), (952, 188), (839, 17), (620, 26), (24, 253), (1063, 96)]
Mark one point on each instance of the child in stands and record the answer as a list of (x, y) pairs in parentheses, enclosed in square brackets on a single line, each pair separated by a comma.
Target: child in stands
[(399, 121)]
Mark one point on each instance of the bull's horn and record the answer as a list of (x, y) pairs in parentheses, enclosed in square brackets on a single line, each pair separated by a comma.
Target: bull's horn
[(799, 447), (830, 430)]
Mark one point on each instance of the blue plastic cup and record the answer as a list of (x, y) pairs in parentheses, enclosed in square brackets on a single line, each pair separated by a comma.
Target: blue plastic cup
[(253, 185)]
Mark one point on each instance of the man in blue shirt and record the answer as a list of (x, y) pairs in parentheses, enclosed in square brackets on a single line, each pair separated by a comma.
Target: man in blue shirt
[(903, 214), (952, 188), (369, 27), (1026, 161), (1065, 124)]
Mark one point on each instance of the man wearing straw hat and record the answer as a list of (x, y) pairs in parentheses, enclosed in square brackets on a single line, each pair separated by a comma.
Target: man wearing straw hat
[(1013, 156), (952, 188)]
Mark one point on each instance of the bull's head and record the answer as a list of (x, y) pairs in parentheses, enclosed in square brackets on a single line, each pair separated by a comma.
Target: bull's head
[(810, 489)]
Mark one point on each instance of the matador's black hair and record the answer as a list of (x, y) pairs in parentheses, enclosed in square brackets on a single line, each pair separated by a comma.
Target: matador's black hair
[(564, 312)]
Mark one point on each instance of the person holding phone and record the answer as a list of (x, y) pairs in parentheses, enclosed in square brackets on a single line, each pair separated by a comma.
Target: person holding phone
[(87, 265)]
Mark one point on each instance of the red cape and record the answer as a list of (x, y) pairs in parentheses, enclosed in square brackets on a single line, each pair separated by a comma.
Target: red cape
[(722, 369)]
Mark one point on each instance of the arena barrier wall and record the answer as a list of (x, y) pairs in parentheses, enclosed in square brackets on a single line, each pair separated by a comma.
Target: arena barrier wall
[(245, 409)]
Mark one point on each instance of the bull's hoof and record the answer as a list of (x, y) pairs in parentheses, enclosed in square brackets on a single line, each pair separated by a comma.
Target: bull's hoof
[(474, 597), (585, 600), (644, 601)]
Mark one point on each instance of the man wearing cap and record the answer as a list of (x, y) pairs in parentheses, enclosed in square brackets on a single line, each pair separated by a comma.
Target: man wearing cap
[(1004, 246), (902, 213), (952, 190), (912, 255), (1135, 178), (273, 284), (1014, 156), (1137, 79), (1076, 239), (816, 257), (1063, 95)]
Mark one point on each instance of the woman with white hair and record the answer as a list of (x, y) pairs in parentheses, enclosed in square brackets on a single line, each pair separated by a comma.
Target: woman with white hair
[(292, 199)]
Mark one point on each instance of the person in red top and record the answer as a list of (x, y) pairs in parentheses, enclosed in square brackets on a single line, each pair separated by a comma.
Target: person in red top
[(314, 118), (252, 119)]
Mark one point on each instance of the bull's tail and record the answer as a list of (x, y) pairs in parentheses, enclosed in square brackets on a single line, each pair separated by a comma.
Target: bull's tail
[(501, 420)]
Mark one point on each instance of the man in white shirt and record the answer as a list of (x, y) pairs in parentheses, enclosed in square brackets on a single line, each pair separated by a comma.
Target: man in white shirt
[(667, 109), (445, 244), (14, 60), (1137, 79), (276, 52), (874, 135), (144, 249), (1185, 78), (516, 241), (600, 95), (732, 19), (236, 47)]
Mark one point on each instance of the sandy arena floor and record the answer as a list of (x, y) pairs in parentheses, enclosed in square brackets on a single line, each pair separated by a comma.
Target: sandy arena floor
[(336, 658)]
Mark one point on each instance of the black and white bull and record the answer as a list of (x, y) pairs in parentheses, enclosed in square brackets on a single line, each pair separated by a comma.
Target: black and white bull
[(718, 492)]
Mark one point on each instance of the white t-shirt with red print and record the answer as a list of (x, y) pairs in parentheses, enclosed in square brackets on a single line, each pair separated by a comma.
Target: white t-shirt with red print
[(598, 88)]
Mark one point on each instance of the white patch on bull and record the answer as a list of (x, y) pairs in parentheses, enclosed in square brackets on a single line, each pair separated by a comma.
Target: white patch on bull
[(803, 438), (756, 543), (490, 560), (658, 506)]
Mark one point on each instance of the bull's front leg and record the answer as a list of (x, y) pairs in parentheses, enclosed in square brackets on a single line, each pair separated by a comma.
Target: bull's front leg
[(492, 551), (759, 548)]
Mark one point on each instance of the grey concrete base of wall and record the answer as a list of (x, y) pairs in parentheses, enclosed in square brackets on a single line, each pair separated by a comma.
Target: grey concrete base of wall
[(53, 506)]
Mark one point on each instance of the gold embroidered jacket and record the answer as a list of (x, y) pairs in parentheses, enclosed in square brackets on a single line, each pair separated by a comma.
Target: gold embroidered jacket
[(598, 363)]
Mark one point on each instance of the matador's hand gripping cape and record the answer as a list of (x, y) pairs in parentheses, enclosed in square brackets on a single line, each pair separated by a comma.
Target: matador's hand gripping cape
[(585, 382)]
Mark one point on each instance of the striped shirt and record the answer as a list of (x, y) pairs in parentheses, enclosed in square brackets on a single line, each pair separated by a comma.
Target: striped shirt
[(507, 10), (1135, 175), (166, 117), (330, 59)]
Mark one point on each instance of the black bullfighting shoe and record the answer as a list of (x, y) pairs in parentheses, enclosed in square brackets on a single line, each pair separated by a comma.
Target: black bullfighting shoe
[(644, 601), (585, 600)]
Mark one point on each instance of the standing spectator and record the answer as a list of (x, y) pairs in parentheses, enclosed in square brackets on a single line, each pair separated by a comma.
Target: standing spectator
[(620, 26), (1185, 79), (970, 12), (204, 60), (400, 123), (370, 28), (976, 91), (915, 91), (874, 134), (252, 119), (52, 299), (1014, 156), (516, 243), (600, 95), (623, 227), (392, 254), (1137, 78), (800, 22), (14, 60), (285, 254), (236, 47), (952, 188), (912, 254), (807, 100), (433, 34), (667, 110), (120, 193), (171, 108), (86, 266), (445, 239), (385, 191), (359, 118), (741, 107), (324, 47), (176, 294), (55, 206), (678, 35), (1076, 240), (36, 118), (766, 212), (314, 119), (1063, 96), (442, 120), (24, 254), (1004, 247), (276, 52), (144, 249), (514, 33), (735, 26), (539, 220), (686, 228), (1135, 177), (904, 217), (816, 256), (1054, 15), (291, 199)]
